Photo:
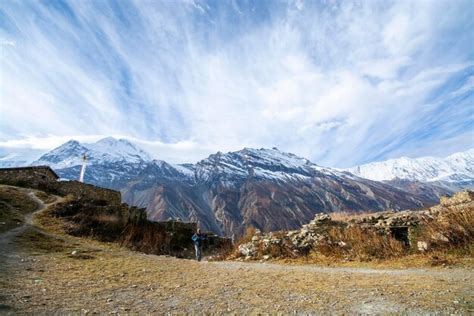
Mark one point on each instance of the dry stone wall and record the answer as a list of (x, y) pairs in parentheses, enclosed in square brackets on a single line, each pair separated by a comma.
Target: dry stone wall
[(28, 176), (400, 225), (87, 191)]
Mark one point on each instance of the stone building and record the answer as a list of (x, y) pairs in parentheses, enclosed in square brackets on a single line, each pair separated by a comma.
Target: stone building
[(28, 176)]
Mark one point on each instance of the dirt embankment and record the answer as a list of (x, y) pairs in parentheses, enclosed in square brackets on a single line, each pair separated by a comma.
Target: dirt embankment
[(52, 272)]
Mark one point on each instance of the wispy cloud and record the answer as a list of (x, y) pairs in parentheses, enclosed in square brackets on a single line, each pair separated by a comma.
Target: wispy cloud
[(338, 82)]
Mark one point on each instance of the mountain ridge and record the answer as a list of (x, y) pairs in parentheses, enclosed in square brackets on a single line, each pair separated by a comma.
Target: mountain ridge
[(457, 167), (228, 192)]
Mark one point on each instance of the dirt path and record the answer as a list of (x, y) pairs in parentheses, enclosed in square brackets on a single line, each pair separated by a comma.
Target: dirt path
[(8, 237), (42, 275)]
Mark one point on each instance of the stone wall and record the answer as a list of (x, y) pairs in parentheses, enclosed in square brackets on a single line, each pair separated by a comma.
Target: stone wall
[(28, 176), (144, 235), (403, 226), (44, 178), (87, 191)]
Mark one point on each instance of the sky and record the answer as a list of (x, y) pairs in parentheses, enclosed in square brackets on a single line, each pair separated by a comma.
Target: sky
[(338, 82)]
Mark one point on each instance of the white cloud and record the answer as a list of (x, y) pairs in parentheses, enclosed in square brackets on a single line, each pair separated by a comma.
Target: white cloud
[(338, 83)]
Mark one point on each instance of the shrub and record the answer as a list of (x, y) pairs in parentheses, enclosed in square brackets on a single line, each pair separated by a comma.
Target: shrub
[(146, 238), (357, 243), (453, 230)]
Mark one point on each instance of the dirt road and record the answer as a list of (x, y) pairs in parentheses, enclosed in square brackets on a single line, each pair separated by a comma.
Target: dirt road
[(42, 275)]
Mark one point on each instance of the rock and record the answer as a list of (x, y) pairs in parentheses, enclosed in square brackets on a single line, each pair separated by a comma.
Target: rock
[(422, 245), (322, 218), (247, 250), (342, 244)]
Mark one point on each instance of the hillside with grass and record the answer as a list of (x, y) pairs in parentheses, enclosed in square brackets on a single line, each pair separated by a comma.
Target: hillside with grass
[(50, 263)]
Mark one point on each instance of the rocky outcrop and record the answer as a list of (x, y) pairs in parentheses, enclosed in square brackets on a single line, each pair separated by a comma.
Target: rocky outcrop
[(403, 226)]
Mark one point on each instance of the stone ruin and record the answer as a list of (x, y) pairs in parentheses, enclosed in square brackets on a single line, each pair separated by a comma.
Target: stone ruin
[(45, 179), (91, 202), (400, 225)]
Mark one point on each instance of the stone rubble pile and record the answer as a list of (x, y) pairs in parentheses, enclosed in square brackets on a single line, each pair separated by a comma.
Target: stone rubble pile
[(316, 232), (297, 241)]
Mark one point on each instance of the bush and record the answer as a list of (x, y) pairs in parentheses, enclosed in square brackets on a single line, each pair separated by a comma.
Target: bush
[(146, 238), (357, 243), (453, 230)]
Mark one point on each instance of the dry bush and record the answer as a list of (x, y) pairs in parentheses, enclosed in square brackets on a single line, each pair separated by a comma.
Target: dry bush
[(226, 252), (356, 243), (88, 219), (247, 237), (146, 238), (453, 230)]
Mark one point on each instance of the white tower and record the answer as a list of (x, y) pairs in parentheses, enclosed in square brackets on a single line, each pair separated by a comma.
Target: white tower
[(83, 169)]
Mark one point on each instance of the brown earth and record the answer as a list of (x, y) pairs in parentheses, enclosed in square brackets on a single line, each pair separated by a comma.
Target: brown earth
[(40, 274)]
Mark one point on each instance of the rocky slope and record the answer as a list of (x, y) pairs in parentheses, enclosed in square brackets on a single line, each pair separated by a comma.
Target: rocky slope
[(263, 188)]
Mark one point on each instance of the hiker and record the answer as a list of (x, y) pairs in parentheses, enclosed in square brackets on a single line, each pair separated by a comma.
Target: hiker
[(198, 238)]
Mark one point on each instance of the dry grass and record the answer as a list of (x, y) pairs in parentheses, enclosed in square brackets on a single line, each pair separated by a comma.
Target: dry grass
[(247, 236), (143, 237), (17, 199), (453, 230), (348, 216), (137, 283), (14, 204), (414, 260), (45, 197), (356, 243)]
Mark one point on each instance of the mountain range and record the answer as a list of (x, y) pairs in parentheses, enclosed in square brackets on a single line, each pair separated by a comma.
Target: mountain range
[(456, 168), (264, 188)]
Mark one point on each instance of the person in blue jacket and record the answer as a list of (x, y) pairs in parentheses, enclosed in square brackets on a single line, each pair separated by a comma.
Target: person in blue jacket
[(198, 238)]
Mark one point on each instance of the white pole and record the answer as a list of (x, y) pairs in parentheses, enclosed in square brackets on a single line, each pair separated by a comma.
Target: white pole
[(83, 168)]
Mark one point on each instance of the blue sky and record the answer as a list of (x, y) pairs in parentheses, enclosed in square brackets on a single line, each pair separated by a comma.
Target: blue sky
[(339, 82)]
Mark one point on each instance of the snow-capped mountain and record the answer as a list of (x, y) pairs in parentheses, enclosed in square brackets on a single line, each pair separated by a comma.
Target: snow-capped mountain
[(110, 162), (456, 168), (107, 150), (228, 192), (264, 188), (260, 163)]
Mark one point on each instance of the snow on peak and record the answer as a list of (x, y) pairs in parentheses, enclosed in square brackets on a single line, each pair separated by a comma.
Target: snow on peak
[(112, 149), (105, 150), (263, 162), (452, 168)]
